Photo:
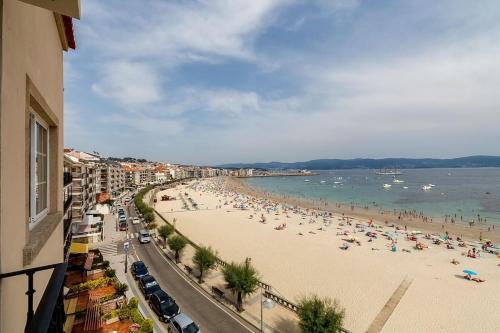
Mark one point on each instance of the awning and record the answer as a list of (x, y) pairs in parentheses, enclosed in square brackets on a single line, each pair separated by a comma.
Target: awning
[(78, 248)]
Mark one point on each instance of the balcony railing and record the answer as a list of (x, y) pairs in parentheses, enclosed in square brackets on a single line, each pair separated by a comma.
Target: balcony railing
[(67, 178), (68, 202), (49, 315)]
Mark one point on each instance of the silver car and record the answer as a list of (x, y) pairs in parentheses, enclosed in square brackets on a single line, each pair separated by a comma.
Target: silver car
[(144, 236), (182, 324)]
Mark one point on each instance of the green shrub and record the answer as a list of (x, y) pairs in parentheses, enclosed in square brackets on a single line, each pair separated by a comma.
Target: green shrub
[(90, 285), (147, 326), (110, 314), (123, 313), (133, 303), (136, 316), (105, 263), (320, 315), (109, 272), (120, 287)]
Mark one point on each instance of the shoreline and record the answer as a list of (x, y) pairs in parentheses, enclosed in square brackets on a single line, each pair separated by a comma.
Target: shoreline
[(302, 251), (460, 229)]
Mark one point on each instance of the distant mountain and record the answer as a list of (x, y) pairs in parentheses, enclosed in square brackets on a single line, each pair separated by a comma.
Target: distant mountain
[(369, 163)]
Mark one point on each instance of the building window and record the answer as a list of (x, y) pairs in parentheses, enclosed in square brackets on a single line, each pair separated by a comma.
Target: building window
[(39, 169)]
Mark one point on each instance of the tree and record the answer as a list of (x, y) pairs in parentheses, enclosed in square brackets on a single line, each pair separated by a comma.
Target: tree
[(149, 217), (204, 258), (176, 243), (317, 315), (242, 279), (164, 231), (152, 226)]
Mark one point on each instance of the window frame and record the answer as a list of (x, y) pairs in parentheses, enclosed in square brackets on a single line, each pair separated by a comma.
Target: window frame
[(34, 217)]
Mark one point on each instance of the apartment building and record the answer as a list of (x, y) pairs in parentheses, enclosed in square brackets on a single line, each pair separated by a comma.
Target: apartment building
[(68, 201), (112, 179), (34, 34)]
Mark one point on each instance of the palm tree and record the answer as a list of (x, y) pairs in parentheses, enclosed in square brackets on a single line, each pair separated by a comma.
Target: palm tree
[(204, 258), (241, 279), (320, 315), (164, 231), (176, 243)]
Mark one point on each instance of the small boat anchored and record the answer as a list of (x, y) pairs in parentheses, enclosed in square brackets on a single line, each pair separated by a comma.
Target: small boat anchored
[(387, 186)]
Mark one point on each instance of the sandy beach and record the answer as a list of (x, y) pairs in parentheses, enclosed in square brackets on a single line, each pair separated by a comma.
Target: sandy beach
[(299, 251)]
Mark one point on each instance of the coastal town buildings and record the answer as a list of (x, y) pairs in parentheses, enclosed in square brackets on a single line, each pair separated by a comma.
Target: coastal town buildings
[(34, 35), (112, 178)]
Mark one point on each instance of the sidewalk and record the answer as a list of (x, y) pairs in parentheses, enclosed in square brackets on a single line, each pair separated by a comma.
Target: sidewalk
[(112, 249)]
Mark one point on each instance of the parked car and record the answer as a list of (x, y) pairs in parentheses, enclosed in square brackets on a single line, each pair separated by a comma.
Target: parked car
[(163, 305), (123, 226), (138, 269), (183, 324), (136, 220), (144, 236), (148, 285)]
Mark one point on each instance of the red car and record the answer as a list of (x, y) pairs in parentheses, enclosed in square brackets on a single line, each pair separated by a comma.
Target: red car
[(123, 226)]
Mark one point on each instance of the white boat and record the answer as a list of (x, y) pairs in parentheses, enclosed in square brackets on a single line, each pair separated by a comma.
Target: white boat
[(337, 182), (306, 180), (405, 187), (432, 185), (426, 188), (387, 186), (323, 181), (398, 181)]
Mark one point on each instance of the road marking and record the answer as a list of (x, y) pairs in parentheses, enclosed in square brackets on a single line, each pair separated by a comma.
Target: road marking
[(191, 283)]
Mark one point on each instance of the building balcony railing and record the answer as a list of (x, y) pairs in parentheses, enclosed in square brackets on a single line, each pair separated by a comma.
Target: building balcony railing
[(67, 178), (49, 315), (68, 203)]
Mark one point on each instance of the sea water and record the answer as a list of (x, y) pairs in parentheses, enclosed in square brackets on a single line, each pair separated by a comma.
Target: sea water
[(464, 192)]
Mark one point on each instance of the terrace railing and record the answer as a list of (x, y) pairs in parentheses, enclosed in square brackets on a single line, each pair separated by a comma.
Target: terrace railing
[(49, 315)]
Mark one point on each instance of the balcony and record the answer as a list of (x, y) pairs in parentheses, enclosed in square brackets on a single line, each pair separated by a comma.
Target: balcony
[(67, 178), (49, 315), (68, 202)]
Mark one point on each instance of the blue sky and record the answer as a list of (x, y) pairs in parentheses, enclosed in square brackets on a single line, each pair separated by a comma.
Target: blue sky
[(211, 81)]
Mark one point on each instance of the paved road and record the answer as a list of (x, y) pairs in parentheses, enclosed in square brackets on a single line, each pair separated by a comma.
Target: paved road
[(205, 312)]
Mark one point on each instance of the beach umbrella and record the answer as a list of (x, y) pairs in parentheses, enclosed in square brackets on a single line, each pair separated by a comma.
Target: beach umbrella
[(469, 272)]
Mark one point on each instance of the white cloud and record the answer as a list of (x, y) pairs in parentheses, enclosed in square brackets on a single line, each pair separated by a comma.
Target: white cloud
[(176, 32), (130, 84)]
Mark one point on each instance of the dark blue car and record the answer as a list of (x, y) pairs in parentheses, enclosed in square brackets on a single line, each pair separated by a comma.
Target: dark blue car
[(148, 285), (139, 270)]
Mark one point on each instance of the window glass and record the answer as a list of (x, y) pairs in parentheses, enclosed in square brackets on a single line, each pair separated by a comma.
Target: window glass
[(41, 168), (38, 200)]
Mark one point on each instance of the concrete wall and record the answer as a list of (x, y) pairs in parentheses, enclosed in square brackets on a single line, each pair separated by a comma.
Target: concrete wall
[(31, 51)]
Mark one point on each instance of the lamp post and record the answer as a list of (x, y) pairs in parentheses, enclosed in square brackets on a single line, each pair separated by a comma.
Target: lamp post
[(265, 303), (125, 248)]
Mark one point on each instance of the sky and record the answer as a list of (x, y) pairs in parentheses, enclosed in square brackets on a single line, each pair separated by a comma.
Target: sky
[(211, 81)]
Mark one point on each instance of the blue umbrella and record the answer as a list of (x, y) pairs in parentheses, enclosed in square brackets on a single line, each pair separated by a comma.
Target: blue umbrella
[(468, 272)]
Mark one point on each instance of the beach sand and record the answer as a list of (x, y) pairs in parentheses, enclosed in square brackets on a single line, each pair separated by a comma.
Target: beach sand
[(438, 298)]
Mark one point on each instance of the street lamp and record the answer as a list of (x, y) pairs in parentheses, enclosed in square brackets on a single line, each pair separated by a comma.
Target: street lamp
[(265, 303), (125, 248)]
